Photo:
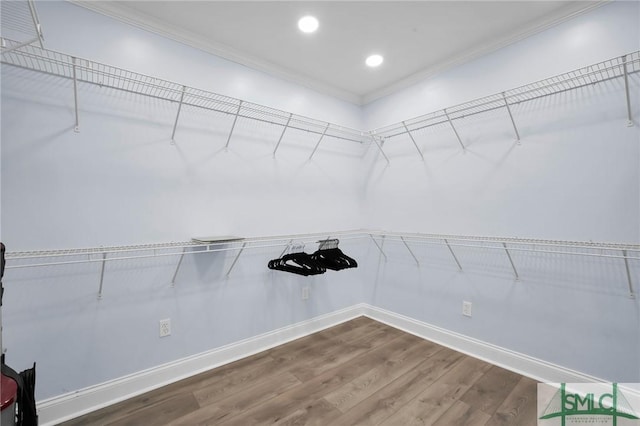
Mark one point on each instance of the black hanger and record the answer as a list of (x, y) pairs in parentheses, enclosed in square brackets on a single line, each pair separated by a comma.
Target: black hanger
[(298, 263), (331, 257)]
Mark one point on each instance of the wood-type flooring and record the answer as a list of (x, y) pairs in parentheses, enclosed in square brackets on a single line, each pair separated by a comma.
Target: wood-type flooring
[(360, 372)]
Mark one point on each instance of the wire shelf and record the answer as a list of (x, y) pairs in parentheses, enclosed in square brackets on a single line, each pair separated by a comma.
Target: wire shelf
[(102, 255), (107, 76), (589, 75), (279, 240), (512, 240)]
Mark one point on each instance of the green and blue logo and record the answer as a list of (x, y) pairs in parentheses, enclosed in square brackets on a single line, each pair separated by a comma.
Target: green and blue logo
[(602, 405)]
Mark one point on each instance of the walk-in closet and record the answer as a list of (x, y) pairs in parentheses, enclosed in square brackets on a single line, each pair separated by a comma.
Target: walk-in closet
[(347, 213)]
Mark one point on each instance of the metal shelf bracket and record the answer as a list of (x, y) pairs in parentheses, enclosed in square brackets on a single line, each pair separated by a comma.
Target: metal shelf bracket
[(324, 132), (175, 123), (515, 129), (233, 125), (452, 254), (380, 148), (506, 250), (282, 134), (626, 89), (410, 251), (413, 140), (379, 247), (104, 260), (454, 130), (76, 128), (632, 294), (236, 258), (175, 274)]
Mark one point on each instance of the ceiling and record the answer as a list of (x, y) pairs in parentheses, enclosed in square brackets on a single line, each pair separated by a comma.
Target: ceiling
[(417, 39)]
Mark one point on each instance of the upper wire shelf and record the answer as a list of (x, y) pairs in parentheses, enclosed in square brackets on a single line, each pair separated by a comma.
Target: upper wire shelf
[(618, 67), (86, 71)]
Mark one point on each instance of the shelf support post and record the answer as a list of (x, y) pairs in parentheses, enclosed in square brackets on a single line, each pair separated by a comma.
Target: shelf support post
[(380, 148), (626, 89), (410, 251), (76, 128), (233, 126), (513, 123), (452, 254), (175, 274), (454, 129), (104, 260), (413, 140), (286, 248), (324, 132), (282, 134), (175, 123), (379, 248), (506, 250), (632, 295), (236, 259)]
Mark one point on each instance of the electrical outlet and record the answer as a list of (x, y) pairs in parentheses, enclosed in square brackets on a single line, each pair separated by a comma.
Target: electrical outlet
[(466, 309), (305, 293), (165, 327)]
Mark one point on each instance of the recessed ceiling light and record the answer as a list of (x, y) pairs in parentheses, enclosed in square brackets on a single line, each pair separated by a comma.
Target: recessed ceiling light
[(308, 24), (374, 60)]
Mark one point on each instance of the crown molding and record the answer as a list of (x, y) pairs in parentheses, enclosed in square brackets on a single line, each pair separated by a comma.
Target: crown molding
[(125, 14), (122, 13), (472, 54)]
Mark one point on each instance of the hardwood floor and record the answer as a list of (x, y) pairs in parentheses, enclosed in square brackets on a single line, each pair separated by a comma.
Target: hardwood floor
[(357, 373)]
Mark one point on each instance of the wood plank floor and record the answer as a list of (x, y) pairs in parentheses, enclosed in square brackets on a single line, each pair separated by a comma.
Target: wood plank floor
[(360, 372)]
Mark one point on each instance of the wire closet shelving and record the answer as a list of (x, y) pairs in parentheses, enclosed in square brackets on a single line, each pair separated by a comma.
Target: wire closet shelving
[(86, 71), (52, 258), (615, 68)]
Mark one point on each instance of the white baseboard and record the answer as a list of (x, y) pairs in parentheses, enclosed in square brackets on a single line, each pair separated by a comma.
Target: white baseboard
[(68, 406), (514, 361), (65, 407)]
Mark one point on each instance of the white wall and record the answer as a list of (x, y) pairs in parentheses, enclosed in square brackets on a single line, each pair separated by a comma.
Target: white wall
[(119, 181), (572, 311), (52, 315), (608, 31), (575, 175)]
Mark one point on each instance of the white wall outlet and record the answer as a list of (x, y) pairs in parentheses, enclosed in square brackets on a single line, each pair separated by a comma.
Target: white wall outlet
[(165, 327), (466, 309), (305, 293)]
